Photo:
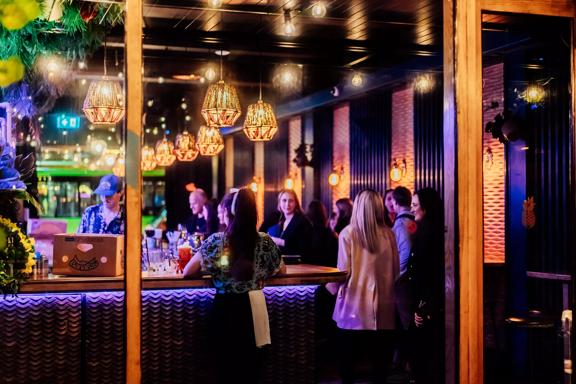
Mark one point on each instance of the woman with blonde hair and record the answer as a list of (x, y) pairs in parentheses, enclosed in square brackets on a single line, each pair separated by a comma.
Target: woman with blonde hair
[(364, 309)]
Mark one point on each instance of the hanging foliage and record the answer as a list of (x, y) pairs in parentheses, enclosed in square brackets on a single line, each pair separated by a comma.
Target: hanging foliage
[(15, 14), (78, 32)]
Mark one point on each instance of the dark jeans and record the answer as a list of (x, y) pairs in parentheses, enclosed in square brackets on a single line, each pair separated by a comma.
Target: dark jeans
[(374, 347), (235, 355)]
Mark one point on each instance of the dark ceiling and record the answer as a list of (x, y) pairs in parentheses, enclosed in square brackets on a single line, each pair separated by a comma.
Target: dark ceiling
[(180, 37)]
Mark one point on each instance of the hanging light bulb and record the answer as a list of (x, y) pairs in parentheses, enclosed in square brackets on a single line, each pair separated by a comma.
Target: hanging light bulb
[(215, 3), (164, 152), (289, 28), (319, 9), (424, 83), (210, 141), (210, 74), (148, 161), (104, 102), (185, 148), (357, 80)]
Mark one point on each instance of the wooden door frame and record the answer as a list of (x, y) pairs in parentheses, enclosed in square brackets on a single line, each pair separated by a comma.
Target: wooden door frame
[(133, 240), (463, 126)]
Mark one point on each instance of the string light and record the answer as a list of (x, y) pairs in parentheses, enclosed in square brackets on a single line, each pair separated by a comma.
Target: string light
[(319, 9), (289, 28)]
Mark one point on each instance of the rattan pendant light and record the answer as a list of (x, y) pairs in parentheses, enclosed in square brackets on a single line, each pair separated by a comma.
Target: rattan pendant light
[(148, 161), (164, 153), (185, 148), (221, 105), (104, 102), (210, 141), (260, 123)]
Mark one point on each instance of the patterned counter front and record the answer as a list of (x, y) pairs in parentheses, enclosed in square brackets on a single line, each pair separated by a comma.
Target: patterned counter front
[(79, 338)]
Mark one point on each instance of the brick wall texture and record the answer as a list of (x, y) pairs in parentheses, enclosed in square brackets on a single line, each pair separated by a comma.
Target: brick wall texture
[(403, 135), (341, 150), (294, 141), (494, 170)]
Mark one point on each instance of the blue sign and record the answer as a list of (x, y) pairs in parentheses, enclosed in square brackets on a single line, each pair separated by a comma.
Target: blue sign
[(64, 121)]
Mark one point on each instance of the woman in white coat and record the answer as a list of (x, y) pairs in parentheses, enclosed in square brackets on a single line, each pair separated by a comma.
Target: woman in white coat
[(364, 310)]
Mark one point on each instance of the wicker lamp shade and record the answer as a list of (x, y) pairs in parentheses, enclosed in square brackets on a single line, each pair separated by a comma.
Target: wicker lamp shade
[(104, 102), (164, 153), (210, 141), (185, 148), (221, 105), (260, 123), (148, 161)]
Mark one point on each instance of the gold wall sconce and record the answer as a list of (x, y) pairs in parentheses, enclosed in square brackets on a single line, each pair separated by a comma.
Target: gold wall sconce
[(335, 176), (289, 183), (255, 184), (398, 170)]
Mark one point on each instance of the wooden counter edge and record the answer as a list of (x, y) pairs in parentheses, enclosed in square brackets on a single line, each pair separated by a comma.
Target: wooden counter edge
[(92, 284)]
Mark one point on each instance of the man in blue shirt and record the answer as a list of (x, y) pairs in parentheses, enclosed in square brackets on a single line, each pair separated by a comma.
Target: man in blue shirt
[(108, 216)]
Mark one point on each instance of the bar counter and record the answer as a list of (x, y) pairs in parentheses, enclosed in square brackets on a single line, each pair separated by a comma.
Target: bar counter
[(72, 330), (298, 274)]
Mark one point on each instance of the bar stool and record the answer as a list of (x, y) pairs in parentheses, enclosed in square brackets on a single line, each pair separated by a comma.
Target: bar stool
[(533, 322)]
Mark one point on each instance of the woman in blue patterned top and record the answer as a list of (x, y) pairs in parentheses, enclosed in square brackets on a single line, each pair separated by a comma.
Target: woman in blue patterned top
[(239, 260), (108, 216)]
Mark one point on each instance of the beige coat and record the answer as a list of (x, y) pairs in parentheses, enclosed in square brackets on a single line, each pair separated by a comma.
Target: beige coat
[(366, 299)]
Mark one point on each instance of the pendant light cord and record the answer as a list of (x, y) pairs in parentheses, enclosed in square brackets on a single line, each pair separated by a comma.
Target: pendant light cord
[(221, 45), (260, 66), (105, 54)]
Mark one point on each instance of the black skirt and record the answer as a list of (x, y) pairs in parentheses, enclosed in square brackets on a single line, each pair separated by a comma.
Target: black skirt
[(237, 358)]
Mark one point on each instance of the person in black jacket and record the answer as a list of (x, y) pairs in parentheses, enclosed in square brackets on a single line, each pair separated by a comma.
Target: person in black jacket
[(426, 275), (292, 233), (324, 241)]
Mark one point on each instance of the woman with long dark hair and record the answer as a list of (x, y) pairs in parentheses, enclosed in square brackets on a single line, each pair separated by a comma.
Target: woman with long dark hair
[(389, 212), (239, 260), (344, 214), (426, 274), (292, 233)]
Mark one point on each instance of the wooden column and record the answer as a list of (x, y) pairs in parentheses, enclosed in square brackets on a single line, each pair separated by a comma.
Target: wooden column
[(134, 98), (259, 174), (449, 131), (468, 86)]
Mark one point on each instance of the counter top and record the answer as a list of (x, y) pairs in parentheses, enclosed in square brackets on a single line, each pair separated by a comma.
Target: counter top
[(297, 274)]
